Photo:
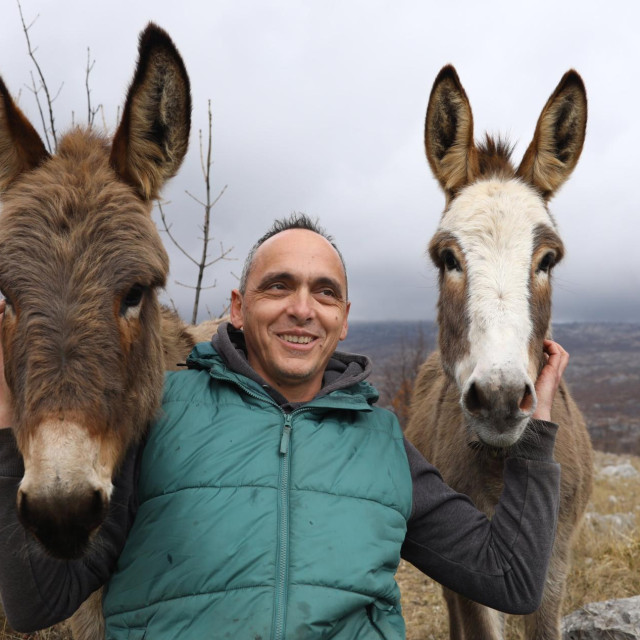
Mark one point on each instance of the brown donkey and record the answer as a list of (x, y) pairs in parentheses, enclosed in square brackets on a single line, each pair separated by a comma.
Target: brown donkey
[(84, 337), (495, 248)]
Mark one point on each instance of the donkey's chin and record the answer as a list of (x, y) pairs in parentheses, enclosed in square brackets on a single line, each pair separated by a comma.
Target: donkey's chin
[(498, 433)]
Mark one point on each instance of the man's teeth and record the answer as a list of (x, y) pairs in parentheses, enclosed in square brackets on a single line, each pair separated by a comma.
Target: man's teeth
[(298, 339)]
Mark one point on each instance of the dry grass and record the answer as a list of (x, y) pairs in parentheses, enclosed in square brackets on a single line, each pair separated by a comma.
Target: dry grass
[(59, 632), (606, 565)]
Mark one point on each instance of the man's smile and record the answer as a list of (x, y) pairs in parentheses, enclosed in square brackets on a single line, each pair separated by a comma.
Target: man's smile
[(296, 339)]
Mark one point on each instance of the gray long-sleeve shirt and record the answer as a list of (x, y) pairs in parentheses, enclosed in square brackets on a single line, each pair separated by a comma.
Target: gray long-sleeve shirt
[(500, 562)]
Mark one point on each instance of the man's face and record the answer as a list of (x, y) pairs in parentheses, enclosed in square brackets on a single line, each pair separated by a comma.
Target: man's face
[(293, 312)]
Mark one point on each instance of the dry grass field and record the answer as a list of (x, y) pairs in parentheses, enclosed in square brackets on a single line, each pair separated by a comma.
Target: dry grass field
[(606, 563), (606, 559)]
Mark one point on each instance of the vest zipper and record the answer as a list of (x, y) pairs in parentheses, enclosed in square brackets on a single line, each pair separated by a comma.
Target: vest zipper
[(282, 578), (283, 532)]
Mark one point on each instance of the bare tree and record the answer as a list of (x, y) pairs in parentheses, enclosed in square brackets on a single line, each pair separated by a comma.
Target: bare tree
[(399, 373), (36, 89), (205, 260)]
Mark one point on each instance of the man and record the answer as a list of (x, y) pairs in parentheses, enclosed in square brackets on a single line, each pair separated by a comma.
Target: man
[(276, 499)]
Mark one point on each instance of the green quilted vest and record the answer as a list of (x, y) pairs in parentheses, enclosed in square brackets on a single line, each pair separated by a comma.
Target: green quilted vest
[(261, 525)]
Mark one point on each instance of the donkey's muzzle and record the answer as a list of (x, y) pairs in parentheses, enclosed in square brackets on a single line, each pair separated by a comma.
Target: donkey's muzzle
[(498, 408), (63, 525)]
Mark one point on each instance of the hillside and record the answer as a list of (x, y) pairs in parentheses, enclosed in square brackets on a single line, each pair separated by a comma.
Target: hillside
[(604, 372)]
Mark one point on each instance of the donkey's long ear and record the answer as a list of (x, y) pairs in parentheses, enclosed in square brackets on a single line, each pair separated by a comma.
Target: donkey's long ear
[(558, 139), (153, 135), (21, 148), (448, 133)]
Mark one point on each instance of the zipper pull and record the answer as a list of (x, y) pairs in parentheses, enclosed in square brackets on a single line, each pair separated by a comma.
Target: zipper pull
[(286, 435)]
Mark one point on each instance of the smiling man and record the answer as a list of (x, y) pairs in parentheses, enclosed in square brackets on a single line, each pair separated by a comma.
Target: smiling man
[(293, 275), (275, 499)]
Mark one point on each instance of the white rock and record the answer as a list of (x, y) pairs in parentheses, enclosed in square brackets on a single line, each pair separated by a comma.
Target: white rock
[(609, 620), (619, 471), (616, 523)]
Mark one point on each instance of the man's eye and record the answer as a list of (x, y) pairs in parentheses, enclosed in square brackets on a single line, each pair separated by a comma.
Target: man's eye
[(328, 292), (276, 288)]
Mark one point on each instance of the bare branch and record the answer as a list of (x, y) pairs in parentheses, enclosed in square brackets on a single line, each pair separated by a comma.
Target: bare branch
[(202, 204), (44, 123), (31, 51), (57, 93), (205, 170), (207, 204), (222, 256), (215, 202), (225, 311), (399, 373), (173, 305), (167, 230), (188, 286), (91, 113)]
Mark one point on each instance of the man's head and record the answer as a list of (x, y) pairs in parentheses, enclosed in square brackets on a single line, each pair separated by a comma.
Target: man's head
[(292, 306)]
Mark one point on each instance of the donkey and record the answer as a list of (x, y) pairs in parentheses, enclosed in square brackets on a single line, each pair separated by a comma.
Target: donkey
[(495, 249), (85, 339)]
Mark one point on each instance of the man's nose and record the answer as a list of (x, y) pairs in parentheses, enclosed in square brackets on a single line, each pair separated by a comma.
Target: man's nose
[(301, 304)]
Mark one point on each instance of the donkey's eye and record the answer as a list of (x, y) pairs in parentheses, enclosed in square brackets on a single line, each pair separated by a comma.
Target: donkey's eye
[(7, 299), (132, 298), (449, 261), (547, 262)]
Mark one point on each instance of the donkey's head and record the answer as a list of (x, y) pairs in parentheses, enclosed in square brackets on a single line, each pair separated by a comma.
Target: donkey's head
[(495, 248), (80, 262)]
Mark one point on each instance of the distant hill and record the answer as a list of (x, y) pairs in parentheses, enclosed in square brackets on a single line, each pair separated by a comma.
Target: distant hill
[(604, 373)]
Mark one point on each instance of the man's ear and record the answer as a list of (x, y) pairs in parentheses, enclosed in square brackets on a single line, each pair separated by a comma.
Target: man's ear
[(237, 317), (345, 322)]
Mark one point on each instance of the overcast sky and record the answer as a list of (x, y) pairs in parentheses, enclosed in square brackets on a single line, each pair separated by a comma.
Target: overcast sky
[(319, 107)]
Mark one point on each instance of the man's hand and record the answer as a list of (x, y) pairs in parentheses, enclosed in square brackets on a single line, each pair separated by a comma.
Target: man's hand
[(549, 379), (5, 402)]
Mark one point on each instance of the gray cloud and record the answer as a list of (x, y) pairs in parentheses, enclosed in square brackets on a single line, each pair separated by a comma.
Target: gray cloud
[(320, 107)]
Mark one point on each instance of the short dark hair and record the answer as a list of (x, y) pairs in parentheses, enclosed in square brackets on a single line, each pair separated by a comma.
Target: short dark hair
[(294, 221)]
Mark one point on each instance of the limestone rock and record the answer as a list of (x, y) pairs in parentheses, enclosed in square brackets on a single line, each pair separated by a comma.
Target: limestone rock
[(617, 524), (610, 620), (625, 470)]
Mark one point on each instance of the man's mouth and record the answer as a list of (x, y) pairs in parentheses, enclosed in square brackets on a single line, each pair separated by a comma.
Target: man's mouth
[(297, 339)]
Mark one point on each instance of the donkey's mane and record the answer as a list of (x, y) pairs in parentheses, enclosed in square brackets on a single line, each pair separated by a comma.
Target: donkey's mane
[(494, 157)]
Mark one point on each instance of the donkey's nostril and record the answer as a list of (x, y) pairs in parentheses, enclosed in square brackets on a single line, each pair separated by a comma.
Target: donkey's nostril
[(474, 399), (499, 400), (23, 509), (527, 401)]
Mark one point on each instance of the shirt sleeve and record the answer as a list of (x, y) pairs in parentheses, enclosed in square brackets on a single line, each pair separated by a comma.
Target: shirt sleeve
[(39, 591), (502, 562)]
